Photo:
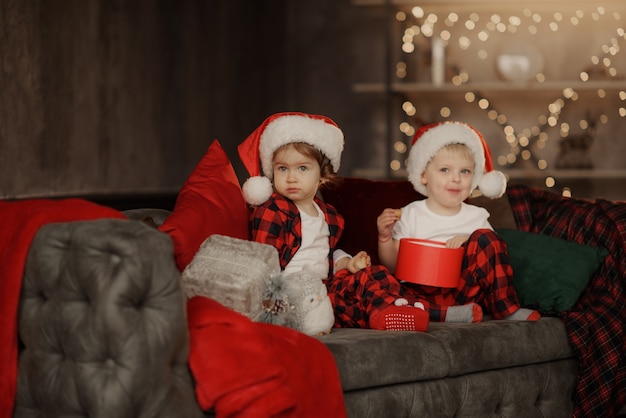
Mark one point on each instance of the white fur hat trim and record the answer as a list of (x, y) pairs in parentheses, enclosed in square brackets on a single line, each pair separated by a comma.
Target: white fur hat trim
[(318, 133), (433, 139)]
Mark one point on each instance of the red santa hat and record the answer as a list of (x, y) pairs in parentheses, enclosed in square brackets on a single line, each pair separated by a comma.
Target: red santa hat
[(431, 138), (278, 130)]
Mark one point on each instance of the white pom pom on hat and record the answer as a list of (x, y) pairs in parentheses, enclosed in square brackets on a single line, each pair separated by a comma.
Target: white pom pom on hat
[(257, 190), (431, 138), (257, 151)]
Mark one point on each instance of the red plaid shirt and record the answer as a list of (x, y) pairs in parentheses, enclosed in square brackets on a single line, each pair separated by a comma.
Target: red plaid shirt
[(277, 222)]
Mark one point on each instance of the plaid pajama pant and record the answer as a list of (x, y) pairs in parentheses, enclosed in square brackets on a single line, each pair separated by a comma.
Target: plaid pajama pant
[(356, 296), (486, 279)]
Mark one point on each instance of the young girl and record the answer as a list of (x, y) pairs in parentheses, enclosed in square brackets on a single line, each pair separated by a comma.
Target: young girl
[(446, 163), (300, 153)]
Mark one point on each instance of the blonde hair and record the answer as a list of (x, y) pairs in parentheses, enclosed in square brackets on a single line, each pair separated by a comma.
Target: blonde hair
[(461, 149)]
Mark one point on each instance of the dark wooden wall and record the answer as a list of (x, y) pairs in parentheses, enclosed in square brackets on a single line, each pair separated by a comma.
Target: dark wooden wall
[(106, 97), (117, 96)]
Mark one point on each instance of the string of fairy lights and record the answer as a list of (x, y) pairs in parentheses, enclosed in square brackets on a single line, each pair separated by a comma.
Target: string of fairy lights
[(475, 29)]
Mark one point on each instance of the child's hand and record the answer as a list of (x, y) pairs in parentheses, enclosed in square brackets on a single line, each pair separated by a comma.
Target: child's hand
[(385, 222), (359, 262), (457, 241)]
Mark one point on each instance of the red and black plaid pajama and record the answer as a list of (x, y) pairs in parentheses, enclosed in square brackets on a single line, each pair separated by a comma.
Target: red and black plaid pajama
[(486, 279), (356, 296)]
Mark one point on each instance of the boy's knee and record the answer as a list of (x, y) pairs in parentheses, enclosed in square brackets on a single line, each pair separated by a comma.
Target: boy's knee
[(484, 236)]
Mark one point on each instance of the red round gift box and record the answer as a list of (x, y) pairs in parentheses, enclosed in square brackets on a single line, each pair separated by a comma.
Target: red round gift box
[(429, 263)]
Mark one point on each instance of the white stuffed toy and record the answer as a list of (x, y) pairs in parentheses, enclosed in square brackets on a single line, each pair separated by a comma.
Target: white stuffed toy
[(299, 301)]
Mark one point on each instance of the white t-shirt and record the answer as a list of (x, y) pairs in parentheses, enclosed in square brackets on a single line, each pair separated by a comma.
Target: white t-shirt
[(418, 221), (313, 252)]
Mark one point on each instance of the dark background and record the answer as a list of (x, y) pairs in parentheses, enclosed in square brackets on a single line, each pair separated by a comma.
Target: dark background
[(123, 97)]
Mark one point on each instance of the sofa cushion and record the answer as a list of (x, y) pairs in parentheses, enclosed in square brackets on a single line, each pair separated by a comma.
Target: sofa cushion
[(536, 390), (210, 202), (550, 273), (500, 211), (360, 201), (445, 350)]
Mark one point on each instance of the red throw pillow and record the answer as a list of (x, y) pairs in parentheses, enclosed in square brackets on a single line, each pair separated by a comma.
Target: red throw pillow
[(210, 202)]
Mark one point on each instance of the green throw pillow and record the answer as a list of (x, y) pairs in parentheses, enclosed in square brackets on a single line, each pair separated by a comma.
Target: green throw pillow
[(550, 273)]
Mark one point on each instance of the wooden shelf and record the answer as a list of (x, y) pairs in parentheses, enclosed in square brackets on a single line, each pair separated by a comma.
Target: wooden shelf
[(428, 96), (566, 174), (519, 174), (491, 4), (491, 86)]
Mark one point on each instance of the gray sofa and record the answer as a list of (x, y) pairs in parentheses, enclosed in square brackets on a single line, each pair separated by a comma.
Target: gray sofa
[(103, 333), (491, 369)]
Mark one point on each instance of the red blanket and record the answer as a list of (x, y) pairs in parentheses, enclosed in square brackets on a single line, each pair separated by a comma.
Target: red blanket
[(242, 368), (247, 369), (19, 221)]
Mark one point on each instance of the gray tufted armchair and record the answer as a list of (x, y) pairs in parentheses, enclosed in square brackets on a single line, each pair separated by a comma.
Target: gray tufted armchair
[(102, 325)]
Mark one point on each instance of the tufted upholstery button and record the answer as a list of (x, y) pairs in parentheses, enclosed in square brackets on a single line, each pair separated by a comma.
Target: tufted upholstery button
[(114, 259)]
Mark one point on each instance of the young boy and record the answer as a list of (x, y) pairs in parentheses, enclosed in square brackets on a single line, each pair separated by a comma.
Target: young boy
[(299, 153), (446, 163)]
